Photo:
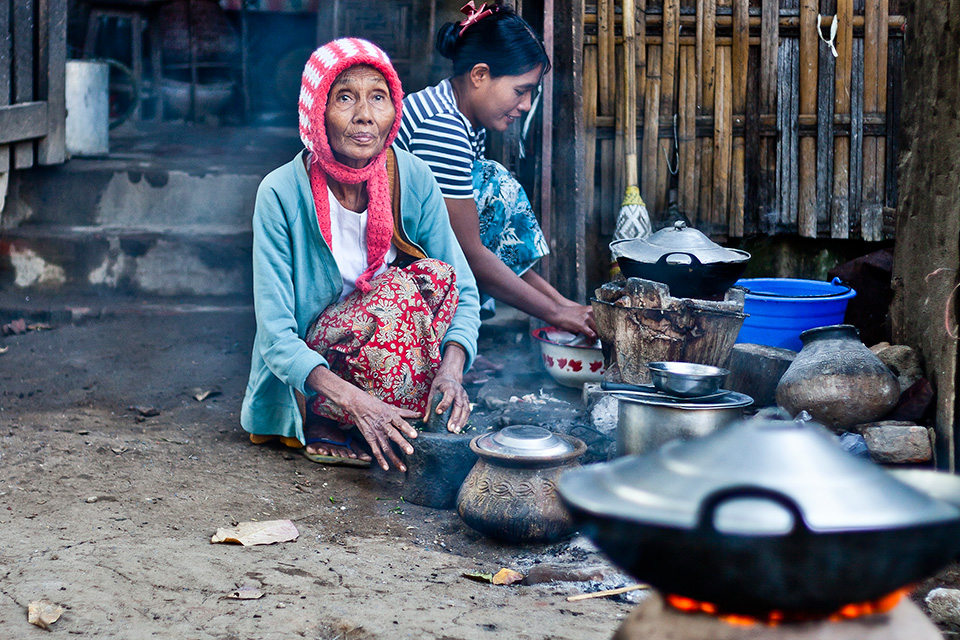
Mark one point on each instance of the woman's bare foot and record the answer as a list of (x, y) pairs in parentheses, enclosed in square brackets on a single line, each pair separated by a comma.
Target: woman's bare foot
[(322, 436)]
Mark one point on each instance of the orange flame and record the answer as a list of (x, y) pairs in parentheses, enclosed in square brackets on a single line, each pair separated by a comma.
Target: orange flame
[(774, 618)]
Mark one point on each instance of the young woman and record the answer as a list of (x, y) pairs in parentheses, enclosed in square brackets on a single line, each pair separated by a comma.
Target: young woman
[(498, 62)]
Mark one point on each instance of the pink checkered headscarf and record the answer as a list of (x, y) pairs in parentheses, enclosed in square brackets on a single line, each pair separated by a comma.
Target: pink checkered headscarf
[(323, 67)]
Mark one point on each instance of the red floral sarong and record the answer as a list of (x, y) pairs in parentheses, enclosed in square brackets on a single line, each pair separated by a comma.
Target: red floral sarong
[(387, 341)]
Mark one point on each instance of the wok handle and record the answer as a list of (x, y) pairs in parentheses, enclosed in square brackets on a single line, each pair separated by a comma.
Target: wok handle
[(713, 502), (694, 261), (623, 386)]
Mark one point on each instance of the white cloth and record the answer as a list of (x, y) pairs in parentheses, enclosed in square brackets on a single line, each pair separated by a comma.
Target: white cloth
[(348, 230)]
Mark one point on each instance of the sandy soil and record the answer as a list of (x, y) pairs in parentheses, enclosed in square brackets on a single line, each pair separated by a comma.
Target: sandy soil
[(109, 513)]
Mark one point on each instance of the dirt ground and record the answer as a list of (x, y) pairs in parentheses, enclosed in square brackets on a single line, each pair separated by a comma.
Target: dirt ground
[(109, 513)]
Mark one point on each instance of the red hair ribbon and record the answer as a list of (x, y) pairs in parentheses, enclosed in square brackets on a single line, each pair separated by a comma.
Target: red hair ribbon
[(474, 15)]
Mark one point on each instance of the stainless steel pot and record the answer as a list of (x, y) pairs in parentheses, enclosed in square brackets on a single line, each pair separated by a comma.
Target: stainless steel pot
[(649, 420), (765, 515)]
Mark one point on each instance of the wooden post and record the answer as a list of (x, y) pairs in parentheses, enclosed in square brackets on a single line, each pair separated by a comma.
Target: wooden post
[(722, 138), (546, 142), (51, 82), (651, 132), (706, 90), (874, 100), (740, 57), (769, 45), (807, 188), (590, 128), (688, 170), (606, 58), (568, 240), (668, 105), (840, 209), (23, 40)]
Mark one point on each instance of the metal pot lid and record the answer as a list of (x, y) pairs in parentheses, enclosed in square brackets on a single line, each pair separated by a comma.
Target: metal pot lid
[(525, 441), (724, 400), (678, 244), (754, 477)]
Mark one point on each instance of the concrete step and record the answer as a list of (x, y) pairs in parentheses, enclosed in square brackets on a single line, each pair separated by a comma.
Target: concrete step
[(205, 261), (167, 212)]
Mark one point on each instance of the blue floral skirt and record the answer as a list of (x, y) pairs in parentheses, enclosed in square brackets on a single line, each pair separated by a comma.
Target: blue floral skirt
[(508, 226)]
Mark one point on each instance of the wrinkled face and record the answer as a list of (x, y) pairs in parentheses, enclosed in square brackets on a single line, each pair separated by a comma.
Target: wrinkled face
[(505, 99), (359, 115)]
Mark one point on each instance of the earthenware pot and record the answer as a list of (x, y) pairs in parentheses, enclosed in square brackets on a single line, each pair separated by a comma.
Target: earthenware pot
[(510, 493), (837, 379)]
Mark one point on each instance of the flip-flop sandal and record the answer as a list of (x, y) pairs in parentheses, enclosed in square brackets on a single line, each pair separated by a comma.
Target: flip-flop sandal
[(334, 460)]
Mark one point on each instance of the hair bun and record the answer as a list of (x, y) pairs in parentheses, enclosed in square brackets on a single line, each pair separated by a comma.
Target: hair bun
[(447, 40)]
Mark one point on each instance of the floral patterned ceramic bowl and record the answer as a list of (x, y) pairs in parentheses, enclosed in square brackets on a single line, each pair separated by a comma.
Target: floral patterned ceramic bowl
[(570, 359)]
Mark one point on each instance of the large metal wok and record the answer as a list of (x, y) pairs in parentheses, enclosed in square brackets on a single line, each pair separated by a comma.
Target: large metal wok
[(761, 516), (686, 260)]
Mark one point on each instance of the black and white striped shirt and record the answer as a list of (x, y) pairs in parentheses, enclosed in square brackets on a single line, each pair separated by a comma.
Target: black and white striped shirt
[(434, 130)]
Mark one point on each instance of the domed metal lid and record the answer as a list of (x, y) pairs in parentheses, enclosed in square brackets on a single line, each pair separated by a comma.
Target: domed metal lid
[(676, 244), (755, 477), (525, 441)]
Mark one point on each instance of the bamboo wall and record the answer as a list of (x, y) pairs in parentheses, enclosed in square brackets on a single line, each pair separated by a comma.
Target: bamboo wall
[(746, 122)]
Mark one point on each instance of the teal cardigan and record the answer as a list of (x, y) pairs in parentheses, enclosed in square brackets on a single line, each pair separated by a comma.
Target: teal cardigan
[(295, 278)]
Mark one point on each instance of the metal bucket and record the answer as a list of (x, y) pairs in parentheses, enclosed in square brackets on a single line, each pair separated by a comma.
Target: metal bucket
[(88, 108)]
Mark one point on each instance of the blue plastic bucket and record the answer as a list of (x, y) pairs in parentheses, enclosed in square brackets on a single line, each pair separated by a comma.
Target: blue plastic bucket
[(779, 309)]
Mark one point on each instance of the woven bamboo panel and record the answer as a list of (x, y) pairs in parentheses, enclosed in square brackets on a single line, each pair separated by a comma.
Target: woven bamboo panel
[(747, 123)]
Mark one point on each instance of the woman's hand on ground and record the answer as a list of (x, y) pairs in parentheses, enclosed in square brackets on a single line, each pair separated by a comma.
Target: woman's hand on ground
[(382, 423), (447, 385), (379, 422), (575, 319)]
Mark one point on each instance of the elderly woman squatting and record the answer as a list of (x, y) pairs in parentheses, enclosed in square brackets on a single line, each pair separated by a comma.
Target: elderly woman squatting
[(366, 307)]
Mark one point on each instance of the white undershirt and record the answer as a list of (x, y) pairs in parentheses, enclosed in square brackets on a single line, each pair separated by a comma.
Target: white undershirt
[(348, 230)]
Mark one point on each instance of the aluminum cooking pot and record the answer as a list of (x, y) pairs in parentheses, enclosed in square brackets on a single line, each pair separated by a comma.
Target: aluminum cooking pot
[(646, 420), (684, 259), (761, 516)]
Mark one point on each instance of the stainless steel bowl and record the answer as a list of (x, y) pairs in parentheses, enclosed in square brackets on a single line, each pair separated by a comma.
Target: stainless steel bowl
[(686, 379)]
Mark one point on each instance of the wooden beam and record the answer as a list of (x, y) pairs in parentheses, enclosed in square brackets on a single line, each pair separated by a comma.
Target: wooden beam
[(23, 121), (568, 241)]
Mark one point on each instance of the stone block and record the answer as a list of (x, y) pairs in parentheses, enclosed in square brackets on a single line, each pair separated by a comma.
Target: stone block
[(893, 442), (902, 360), (755, 369), (944, 607)]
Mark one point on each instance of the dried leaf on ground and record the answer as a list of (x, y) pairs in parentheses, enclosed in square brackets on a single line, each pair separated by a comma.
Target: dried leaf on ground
[(39, 326), (244, 593), (506, 576), (3, 350), (43, 613), (15, 327), (252, 533), (146, 412), (199, 394), (479, 576)]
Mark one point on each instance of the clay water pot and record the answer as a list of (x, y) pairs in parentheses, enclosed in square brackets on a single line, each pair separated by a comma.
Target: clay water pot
[(837, 379), (510, 493)]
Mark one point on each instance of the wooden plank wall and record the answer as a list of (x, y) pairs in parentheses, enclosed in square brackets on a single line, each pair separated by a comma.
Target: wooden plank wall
[(32, 74), (747, 123)]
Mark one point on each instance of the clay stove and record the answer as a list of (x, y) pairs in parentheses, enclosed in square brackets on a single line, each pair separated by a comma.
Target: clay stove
[(656, 619), (639, 322)]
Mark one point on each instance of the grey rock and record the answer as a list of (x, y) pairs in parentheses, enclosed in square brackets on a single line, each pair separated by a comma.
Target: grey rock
[(902, 360), (755, 369), (897, 442), (944, 607)]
